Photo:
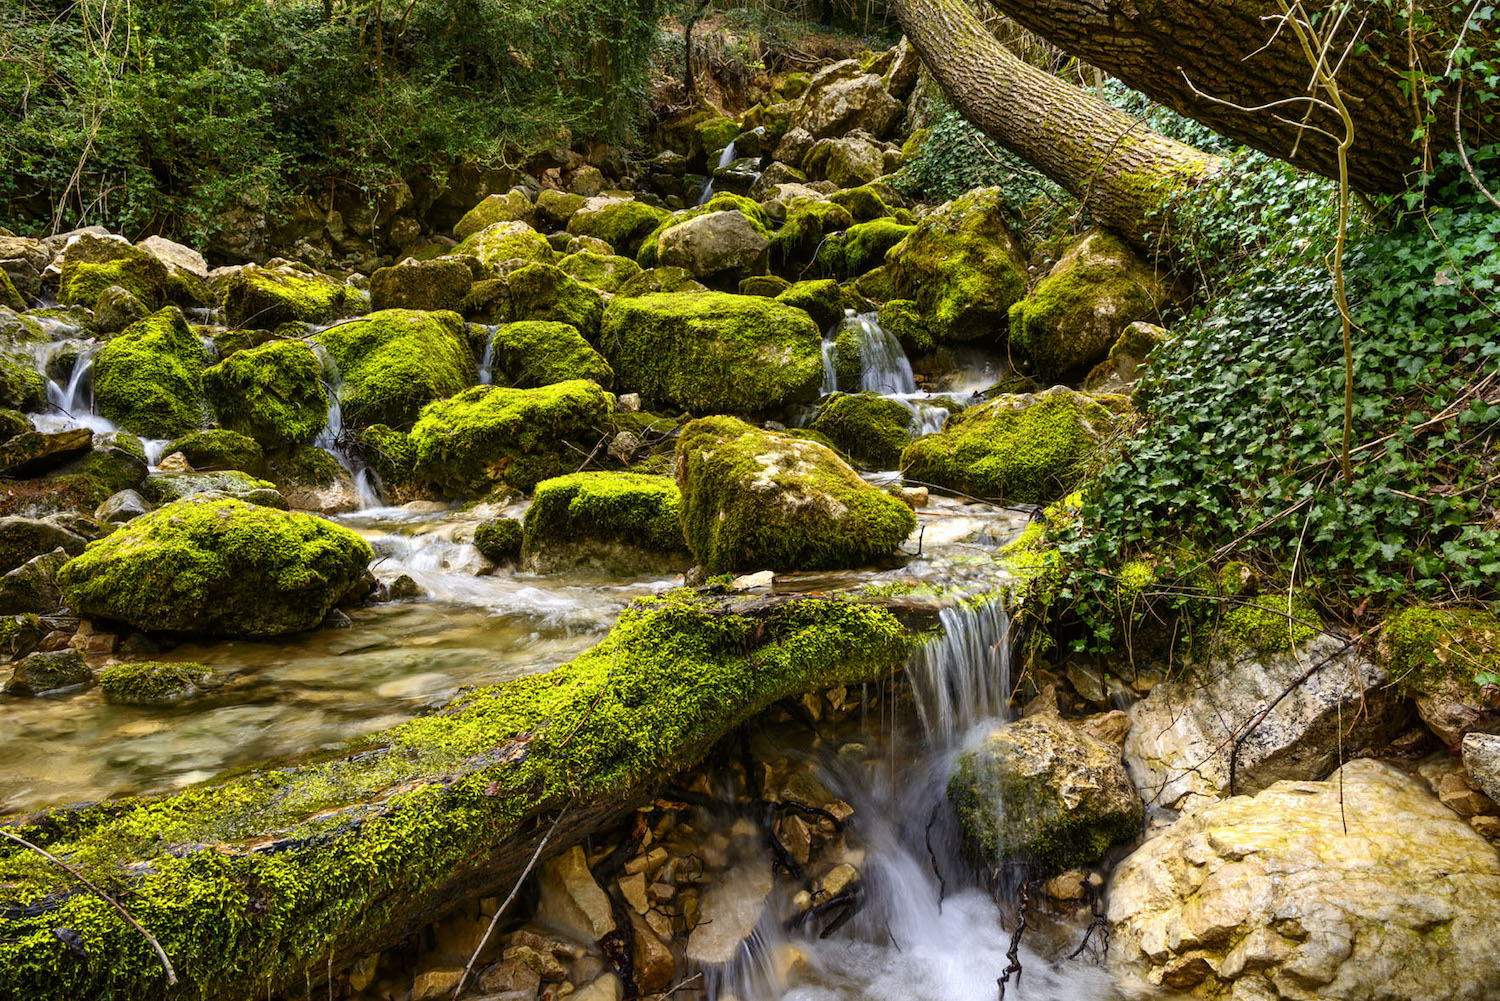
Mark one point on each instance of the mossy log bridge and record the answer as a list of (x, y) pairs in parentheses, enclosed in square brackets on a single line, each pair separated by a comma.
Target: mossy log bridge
[(262, 882)]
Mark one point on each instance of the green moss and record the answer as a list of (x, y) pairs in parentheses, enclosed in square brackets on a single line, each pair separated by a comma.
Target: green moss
[(555, 208), (136, 271), (1266, 625), (756, 499), (219, 449), (963, 267), (768, 286), (538, 353), (1020, 448), (796, 244), (395, 361), (659, 280), (877, 285), (647, 256), (487, 436), (820, 299), (903, 318), (864, 203), (389, 452), (621, 224), (866, 243), (265, 298), (506, 241), (406, 812), (427, 285), (10, 297), (513, 206), (272, 393), (219, 566), (1428, 648), (499, 539), (153, 683), (542, 292), (621, 522), (870, 428), (149, 379), (712, 352), (605, 273), (22, 387)]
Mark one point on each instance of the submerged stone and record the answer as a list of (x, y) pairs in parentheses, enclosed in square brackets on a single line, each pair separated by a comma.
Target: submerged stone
[(152, 683)]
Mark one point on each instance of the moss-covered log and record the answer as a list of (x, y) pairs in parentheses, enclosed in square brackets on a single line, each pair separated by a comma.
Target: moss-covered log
[(266, 880)]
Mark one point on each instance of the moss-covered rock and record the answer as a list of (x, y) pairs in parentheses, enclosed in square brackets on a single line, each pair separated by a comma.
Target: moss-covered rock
[(427, 285), (621, 223), (115, 463), (513, 206), (506, 241), (903, 318), (312, 479), (499, 539), (273, 393), (755, 499), (543, 292), (769, 286), (719, 248), (490, 436), (1445, 658), (54, 671), (163, 488), (116, 309), (869, 428), (555, 208), (607, 273), (266, 297), (1127, 359), (83, 281), (538, 353), (22, 387), (1040, 790), (617, 522), (219, 566), (654, 280), (808, 221), (149, 379), (220, 448), (963, 267), (389, 452), (1028, 448), (863, 247), (394, 362), (10, 296), (713, 352), (864, 203), (154, 683), (1069, 321)]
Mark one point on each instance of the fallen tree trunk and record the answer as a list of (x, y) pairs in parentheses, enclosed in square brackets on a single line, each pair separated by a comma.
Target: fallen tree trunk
[(253, 883), (1122, 172)]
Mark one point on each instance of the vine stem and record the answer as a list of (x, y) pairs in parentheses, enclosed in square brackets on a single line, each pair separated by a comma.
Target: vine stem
[(161, 954)]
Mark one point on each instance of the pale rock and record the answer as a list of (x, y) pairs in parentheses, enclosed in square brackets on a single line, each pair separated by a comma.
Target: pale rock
[(841, 98), (543, 960), (660, 923), (628, 403), (571, 901), (175, 256), (623, 446), (510, 977), (1481, 755), (649, 862), (175, 463), (1111, 727), (796, 838), (916, 497), (838, 879), (1267, 897), (1179, 745), (729, 913), (713, 244), (604, 988), (1066, 886), (430, 985), (633, 889), (751, 581)]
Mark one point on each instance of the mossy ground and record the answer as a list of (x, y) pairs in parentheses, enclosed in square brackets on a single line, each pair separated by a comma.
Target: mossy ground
[(539, 353), (149, 379), (273, 393), (712, 352), (671, 679), (753, 500), (586, 515), (396, 361), (1426, 647)]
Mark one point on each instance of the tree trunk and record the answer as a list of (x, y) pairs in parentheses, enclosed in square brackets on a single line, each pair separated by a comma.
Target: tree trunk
[(1119, 169)]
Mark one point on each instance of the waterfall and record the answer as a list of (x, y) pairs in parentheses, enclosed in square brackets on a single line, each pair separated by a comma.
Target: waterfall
[(725, 159), (74, 400), (883, 365), (962, 678), (331, 438), (487, 363)]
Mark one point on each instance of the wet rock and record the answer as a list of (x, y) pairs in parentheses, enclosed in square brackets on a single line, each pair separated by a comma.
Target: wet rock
[(1179, 745), (35, 453), (847, 161), (403, 588), (511, 979), (149, 379), (153, 683), (535, 353), (41, 673), (605, 988), (32, 586), (433, 984), (266, 297), (122, 507), (218, 449), (117, 309), (272, 393), (1458, 794), (513, 206), (618, 522), (730, 911), (174, 462), (311, 479), (21, 539), (571, 901), (395, 361), (1039, 789), (655, 967), (165, 487), (1481, 755), (1111, 727), (219, 566), (1271, 897)]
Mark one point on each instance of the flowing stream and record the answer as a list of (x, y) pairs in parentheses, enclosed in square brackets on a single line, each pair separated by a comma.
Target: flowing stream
[(725, 159)]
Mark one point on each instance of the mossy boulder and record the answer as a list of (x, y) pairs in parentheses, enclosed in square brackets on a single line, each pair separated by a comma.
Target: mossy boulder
[(149, 379), (1127, 359), (116, 309), (394, 362), (513, 206), (1040, 790), (555, 208), (538, 353), (389, 452), (266, 297), (754, 500), (616, 522), (427, 285), (272, 393), (543, 292), (1445, 658), (154, 683), (115, 463), (717, 247), (862, 247), (864, 203), (163, 488), (807, 222), (621, 223), (83, 281), (1028, 448), (499, 539), (219, 566), (1070, 320), (654, 280), (312, 479), (713, 352), (491, 436), (506, 241), (22, 387), (963, 267), (56, 670), (220, 448), (607, 273), (869, 428)]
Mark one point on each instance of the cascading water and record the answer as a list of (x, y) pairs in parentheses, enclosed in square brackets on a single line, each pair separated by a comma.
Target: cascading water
[(74, 400), (331, 438), (883, 368), (725, 159), (487, 362)]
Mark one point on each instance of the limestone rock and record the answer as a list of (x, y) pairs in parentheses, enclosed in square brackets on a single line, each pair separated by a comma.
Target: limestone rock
[(117, 309), (571, 901), (1040, 789), (32, 586), (1269, 898), (1481, 753), (655, 967), (122, 507), (1178, 748), (715, 243), (23, 538), (175, 256), (34, 453), (840, 99), (731, 909)]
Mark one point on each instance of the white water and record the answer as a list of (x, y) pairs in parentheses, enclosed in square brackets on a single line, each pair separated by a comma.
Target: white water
[(487, 363), (883, 369), (725, 159), (331, 438)]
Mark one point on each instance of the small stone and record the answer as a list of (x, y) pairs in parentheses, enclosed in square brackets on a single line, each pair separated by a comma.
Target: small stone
[(605, 988), (628, 403), (49, 672), (660, 923), (916, 497), (1486, 824), (57, 639), (661, 893), (647, 863), (633, 888), (796, 838), (571, 900), (1457, 795), (655, 967), (403, 588), (429, 985), (102, 643), (585, 968), (122, 507), (1067, 886), (751, 581), (841, 811), (362, 973), (838, 880), (623, 446), (1111, 727), (175, 463), (510, 976)]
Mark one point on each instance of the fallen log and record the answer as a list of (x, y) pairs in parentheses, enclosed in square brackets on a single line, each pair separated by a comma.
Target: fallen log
[(263, 881)]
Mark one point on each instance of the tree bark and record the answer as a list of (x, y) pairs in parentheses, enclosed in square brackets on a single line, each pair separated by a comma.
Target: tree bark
[(1121, 171)]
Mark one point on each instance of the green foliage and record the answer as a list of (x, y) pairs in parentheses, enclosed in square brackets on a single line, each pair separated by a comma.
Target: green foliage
[(955, 157), (176, 111)]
